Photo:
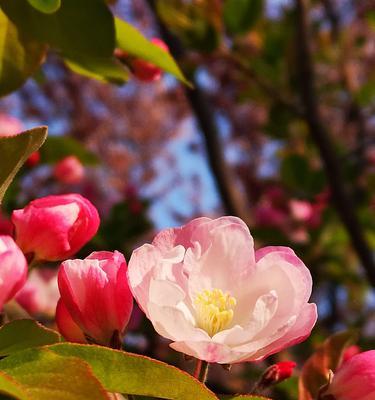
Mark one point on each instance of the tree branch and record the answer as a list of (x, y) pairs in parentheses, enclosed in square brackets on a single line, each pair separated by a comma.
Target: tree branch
[(233, 202), (340, 196)]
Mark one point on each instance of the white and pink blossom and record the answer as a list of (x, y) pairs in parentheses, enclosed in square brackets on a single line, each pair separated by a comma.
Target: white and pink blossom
[(205, 288)]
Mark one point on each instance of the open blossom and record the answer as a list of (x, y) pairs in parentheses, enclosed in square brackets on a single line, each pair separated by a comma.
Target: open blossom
[(55, 227), (69, 170), (203, 287), (96, 295), (354, 380), (146, 71), (13, 269), (40, 293)]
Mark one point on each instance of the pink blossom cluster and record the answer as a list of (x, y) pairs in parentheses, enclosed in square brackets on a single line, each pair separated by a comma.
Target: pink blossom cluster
[(202, 286)]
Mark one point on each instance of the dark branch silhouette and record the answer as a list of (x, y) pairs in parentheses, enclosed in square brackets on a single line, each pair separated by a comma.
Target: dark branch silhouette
[(341, 198)]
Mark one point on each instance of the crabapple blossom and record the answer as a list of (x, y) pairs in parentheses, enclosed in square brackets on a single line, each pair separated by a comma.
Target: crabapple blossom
[(354, 380), (10, 126), (55, 227), (13, 269), (69, 170), (66, 325), (203, 287), (40, 293), (96, 295)]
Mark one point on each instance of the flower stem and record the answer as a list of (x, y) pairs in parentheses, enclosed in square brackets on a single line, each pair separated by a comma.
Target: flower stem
[(201, 370)]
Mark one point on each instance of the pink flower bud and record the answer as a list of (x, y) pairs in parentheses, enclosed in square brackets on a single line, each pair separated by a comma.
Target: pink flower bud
[(55, 227), (40, 294), (13, 269), (354, 380), (33, 160), (69, 170), (96, 294), (10, 126), (67, 327), (146, 71)]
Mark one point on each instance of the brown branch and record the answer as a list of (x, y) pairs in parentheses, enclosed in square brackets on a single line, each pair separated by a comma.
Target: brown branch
[(233, 202), (340, 196)]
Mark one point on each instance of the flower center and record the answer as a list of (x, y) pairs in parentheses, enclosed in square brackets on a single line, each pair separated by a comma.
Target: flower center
[(214, 310)]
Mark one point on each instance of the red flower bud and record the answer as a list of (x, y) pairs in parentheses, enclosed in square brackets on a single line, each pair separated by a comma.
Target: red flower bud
[(33, 160)]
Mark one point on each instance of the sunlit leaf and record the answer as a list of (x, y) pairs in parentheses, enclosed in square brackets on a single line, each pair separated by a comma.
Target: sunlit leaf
[(14, 152), (23, 334), (135, 44), (44, 375), (135, 374)]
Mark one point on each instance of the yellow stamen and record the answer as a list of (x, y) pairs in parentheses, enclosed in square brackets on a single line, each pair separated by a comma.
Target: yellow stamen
[(214, 310)]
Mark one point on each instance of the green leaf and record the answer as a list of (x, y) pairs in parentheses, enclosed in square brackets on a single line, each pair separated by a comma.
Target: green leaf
[(241, 15), (327, 357), (23, 334), (9, 386), (58, 147), (14, 152), (135, 44), (20, 56), (43, 375), (46, 6), (105, 70), (79, 29), (135, 374)]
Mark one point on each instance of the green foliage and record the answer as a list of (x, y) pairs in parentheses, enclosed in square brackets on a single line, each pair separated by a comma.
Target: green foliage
[(241, 15), (14, 152), (46, 6), (57, 147), (135, 44), (20, 56), (194, 25), (44, 375), (23, 334), (73, 30), (328, 357), (297, 174), (134, 374)]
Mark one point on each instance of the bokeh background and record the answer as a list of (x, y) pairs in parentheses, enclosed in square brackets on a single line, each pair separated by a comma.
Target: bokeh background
[(278, 130)]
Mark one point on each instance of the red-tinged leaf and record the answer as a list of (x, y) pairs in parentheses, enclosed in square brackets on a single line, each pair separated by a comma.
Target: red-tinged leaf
[(316, 369)]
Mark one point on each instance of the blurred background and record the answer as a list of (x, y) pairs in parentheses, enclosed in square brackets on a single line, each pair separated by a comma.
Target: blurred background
[(279, 130)]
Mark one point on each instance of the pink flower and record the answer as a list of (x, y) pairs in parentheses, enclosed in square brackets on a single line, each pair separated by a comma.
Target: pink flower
[(55, 227), (203, 287), (146, 71), (10, 126), (96, 294), (354, 380), (13, 269), (301, 210), (40, 294), (69, 170)]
